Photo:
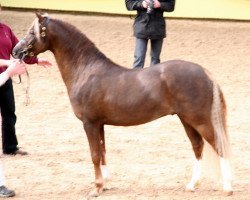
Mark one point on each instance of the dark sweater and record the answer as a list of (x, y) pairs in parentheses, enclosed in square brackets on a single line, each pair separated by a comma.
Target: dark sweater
[(151, 26)]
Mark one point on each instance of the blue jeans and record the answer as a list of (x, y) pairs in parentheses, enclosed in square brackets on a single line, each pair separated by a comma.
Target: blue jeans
[(141, 49)]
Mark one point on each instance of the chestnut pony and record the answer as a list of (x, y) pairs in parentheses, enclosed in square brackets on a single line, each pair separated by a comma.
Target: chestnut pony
[(102, 92)]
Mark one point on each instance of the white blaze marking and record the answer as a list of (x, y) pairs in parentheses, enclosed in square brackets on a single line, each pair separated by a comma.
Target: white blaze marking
[(36, 29)]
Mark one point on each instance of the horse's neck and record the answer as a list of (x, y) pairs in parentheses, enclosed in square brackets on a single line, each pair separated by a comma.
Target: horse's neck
[(76, 57)]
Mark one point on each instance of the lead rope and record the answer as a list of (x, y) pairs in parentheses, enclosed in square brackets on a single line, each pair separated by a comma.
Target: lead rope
[(27, 86), (27, 89)]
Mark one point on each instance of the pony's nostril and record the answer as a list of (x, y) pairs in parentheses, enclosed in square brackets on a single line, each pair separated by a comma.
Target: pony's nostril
[(15, 54)]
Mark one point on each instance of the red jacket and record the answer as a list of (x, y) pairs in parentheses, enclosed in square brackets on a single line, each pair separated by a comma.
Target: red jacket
[(7, 42)]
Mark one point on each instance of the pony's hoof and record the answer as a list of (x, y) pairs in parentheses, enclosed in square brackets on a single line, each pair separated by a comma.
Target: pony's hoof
[(228, 192), (227, 189), (189, 188), (95, 193)]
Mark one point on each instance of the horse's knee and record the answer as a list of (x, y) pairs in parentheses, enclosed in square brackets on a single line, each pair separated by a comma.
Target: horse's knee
[(96, 158)]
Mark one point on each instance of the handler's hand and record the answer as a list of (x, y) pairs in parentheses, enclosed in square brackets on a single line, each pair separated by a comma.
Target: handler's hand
[(15, 67), (157, 4), (7, 63), (145, 4), (44, 62)]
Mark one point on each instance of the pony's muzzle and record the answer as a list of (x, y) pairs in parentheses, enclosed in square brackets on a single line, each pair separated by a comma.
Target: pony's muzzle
[(19, 53), (21, 49)]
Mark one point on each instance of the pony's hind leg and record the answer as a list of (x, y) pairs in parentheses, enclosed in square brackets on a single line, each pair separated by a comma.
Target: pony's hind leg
[(197, 144), (219, 146)]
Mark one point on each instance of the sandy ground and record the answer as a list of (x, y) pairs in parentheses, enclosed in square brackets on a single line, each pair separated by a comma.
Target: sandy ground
[(150, 161)]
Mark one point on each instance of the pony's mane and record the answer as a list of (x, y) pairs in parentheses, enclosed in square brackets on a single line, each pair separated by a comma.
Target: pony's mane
[(80, 43)]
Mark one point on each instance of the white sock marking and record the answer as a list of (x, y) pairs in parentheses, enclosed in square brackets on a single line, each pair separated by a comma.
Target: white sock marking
[(226, 174), (105, 173), (195, 176)]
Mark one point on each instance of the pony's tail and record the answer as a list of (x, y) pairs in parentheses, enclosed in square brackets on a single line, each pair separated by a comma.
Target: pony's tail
[(218, 118)]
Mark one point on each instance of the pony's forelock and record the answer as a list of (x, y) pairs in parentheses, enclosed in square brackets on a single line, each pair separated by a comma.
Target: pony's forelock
[(36, 28)]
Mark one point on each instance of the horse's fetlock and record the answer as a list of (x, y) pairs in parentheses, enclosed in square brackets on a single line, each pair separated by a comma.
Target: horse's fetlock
[(99, 183)]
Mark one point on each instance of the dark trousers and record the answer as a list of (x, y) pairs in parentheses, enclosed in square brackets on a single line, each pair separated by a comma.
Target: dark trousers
[(7, 106), (141, 49)]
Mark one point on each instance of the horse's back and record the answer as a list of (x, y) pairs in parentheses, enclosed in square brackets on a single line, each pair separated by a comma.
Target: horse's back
[(180, 66)]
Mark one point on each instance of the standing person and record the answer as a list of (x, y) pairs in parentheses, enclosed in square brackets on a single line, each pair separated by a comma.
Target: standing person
[(7, 102), (150, 25), (14, 68)]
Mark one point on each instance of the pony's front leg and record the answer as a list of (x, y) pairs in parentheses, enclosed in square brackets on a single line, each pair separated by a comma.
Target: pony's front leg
[(104, 169), (93, 134)]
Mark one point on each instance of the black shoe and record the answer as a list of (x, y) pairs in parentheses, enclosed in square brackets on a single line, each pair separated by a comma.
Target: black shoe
[(17, 152), (20, 152), (5, 192)]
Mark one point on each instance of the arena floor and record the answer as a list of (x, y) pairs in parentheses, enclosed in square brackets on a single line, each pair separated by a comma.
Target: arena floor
[(150, 161)]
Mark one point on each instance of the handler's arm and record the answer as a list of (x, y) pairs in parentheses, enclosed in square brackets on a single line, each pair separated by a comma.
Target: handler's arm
[(3, 77), (13, 69), (4, 63), (168, 6), (134, 5)]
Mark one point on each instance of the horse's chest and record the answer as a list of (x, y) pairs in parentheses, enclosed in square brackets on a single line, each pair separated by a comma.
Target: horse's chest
[(84, 106)]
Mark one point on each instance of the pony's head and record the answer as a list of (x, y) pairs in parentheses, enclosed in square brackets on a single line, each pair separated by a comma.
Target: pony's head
[(36, 40)]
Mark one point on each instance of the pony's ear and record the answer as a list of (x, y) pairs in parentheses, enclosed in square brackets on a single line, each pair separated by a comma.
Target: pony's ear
[(39, 15)]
